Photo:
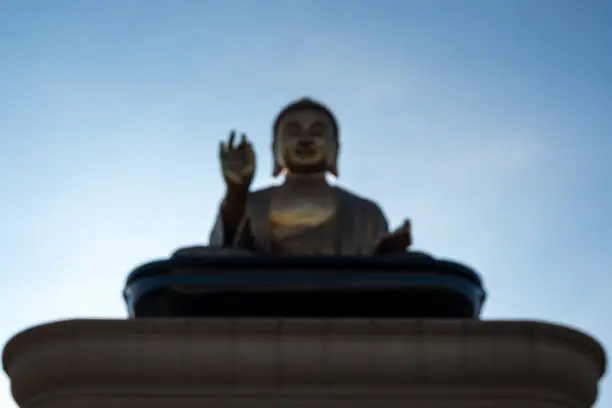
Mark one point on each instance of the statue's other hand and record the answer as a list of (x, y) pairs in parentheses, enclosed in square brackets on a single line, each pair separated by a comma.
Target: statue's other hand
[(397, 241), (237, 161)]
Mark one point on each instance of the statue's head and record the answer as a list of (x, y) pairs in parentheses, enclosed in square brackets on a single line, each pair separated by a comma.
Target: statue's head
[(305, 139)]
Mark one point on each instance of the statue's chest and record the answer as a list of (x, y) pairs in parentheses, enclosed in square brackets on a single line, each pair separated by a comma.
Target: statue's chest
[(304, 222)]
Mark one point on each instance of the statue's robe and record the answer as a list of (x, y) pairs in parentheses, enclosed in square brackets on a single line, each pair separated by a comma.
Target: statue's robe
[(354, 226)]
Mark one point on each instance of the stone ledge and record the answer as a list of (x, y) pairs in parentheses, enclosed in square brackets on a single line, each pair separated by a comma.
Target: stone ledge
[(184, 356)]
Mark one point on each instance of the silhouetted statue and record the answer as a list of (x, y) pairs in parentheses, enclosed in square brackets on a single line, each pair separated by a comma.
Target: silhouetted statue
[(305, 215), (312, 249)]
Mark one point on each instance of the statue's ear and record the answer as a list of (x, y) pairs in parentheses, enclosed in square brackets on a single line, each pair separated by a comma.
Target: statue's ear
[(334, 170), (333, 166), (277, 169)]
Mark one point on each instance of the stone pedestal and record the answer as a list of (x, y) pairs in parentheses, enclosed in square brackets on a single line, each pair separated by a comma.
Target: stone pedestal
[(320, 363), (407, 286)]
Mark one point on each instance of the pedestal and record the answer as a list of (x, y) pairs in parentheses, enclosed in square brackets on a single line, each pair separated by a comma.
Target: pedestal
[(408, 286), (159, 363)]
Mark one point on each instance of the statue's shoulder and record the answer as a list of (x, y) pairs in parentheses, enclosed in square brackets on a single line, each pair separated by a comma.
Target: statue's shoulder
[(262, 193), (365, 203)]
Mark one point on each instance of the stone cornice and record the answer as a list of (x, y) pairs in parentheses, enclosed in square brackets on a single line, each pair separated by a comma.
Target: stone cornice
[(300, 355)]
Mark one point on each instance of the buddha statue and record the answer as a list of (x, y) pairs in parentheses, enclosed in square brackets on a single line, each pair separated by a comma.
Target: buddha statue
[(302, 247), (305, 215)]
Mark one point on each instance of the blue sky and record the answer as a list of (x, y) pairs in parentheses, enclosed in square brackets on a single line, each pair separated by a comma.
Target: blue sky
[(483, 121)]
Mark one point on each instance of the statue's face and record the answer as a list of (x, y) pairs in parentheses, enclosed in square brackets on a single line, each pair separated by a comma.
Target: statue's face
[(305, 141)]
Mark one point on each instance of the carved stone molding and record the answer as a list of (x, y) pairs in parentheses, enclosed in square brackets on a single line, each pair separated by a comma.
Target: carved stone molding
[(323, 362)]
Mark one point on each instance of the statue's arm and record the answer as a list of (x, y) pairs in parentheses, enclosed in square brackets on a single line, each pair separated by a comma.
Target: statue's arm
[(381, 228), (231, 220), (378, 227)]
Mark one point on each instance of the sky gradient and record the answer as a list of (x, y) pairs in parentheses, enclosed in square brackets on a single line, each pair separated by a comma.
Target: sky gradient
[(485, 122)]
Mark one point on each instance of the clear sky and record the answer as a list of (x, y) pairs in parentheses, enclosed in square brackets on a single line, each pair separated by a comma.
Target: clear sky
[(485, 122)]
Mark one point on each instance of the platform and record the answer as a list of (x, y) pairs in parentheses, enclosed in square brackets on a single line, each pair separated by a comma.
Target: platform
[(302, 363), (365, 287)]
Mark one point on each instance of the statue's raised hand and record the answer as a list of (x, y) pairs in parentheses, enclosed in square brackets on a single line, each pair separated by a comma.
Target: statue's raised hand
[(237, 161)]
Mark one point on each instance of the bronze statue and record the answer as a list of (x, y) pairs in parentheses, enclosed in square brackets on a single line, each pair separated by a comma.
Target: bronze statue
[(305, 215)]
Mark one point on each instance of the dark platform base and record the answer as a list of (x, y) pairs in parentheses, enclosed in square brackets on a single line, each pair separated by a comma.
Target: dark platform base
[(304, 287)]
